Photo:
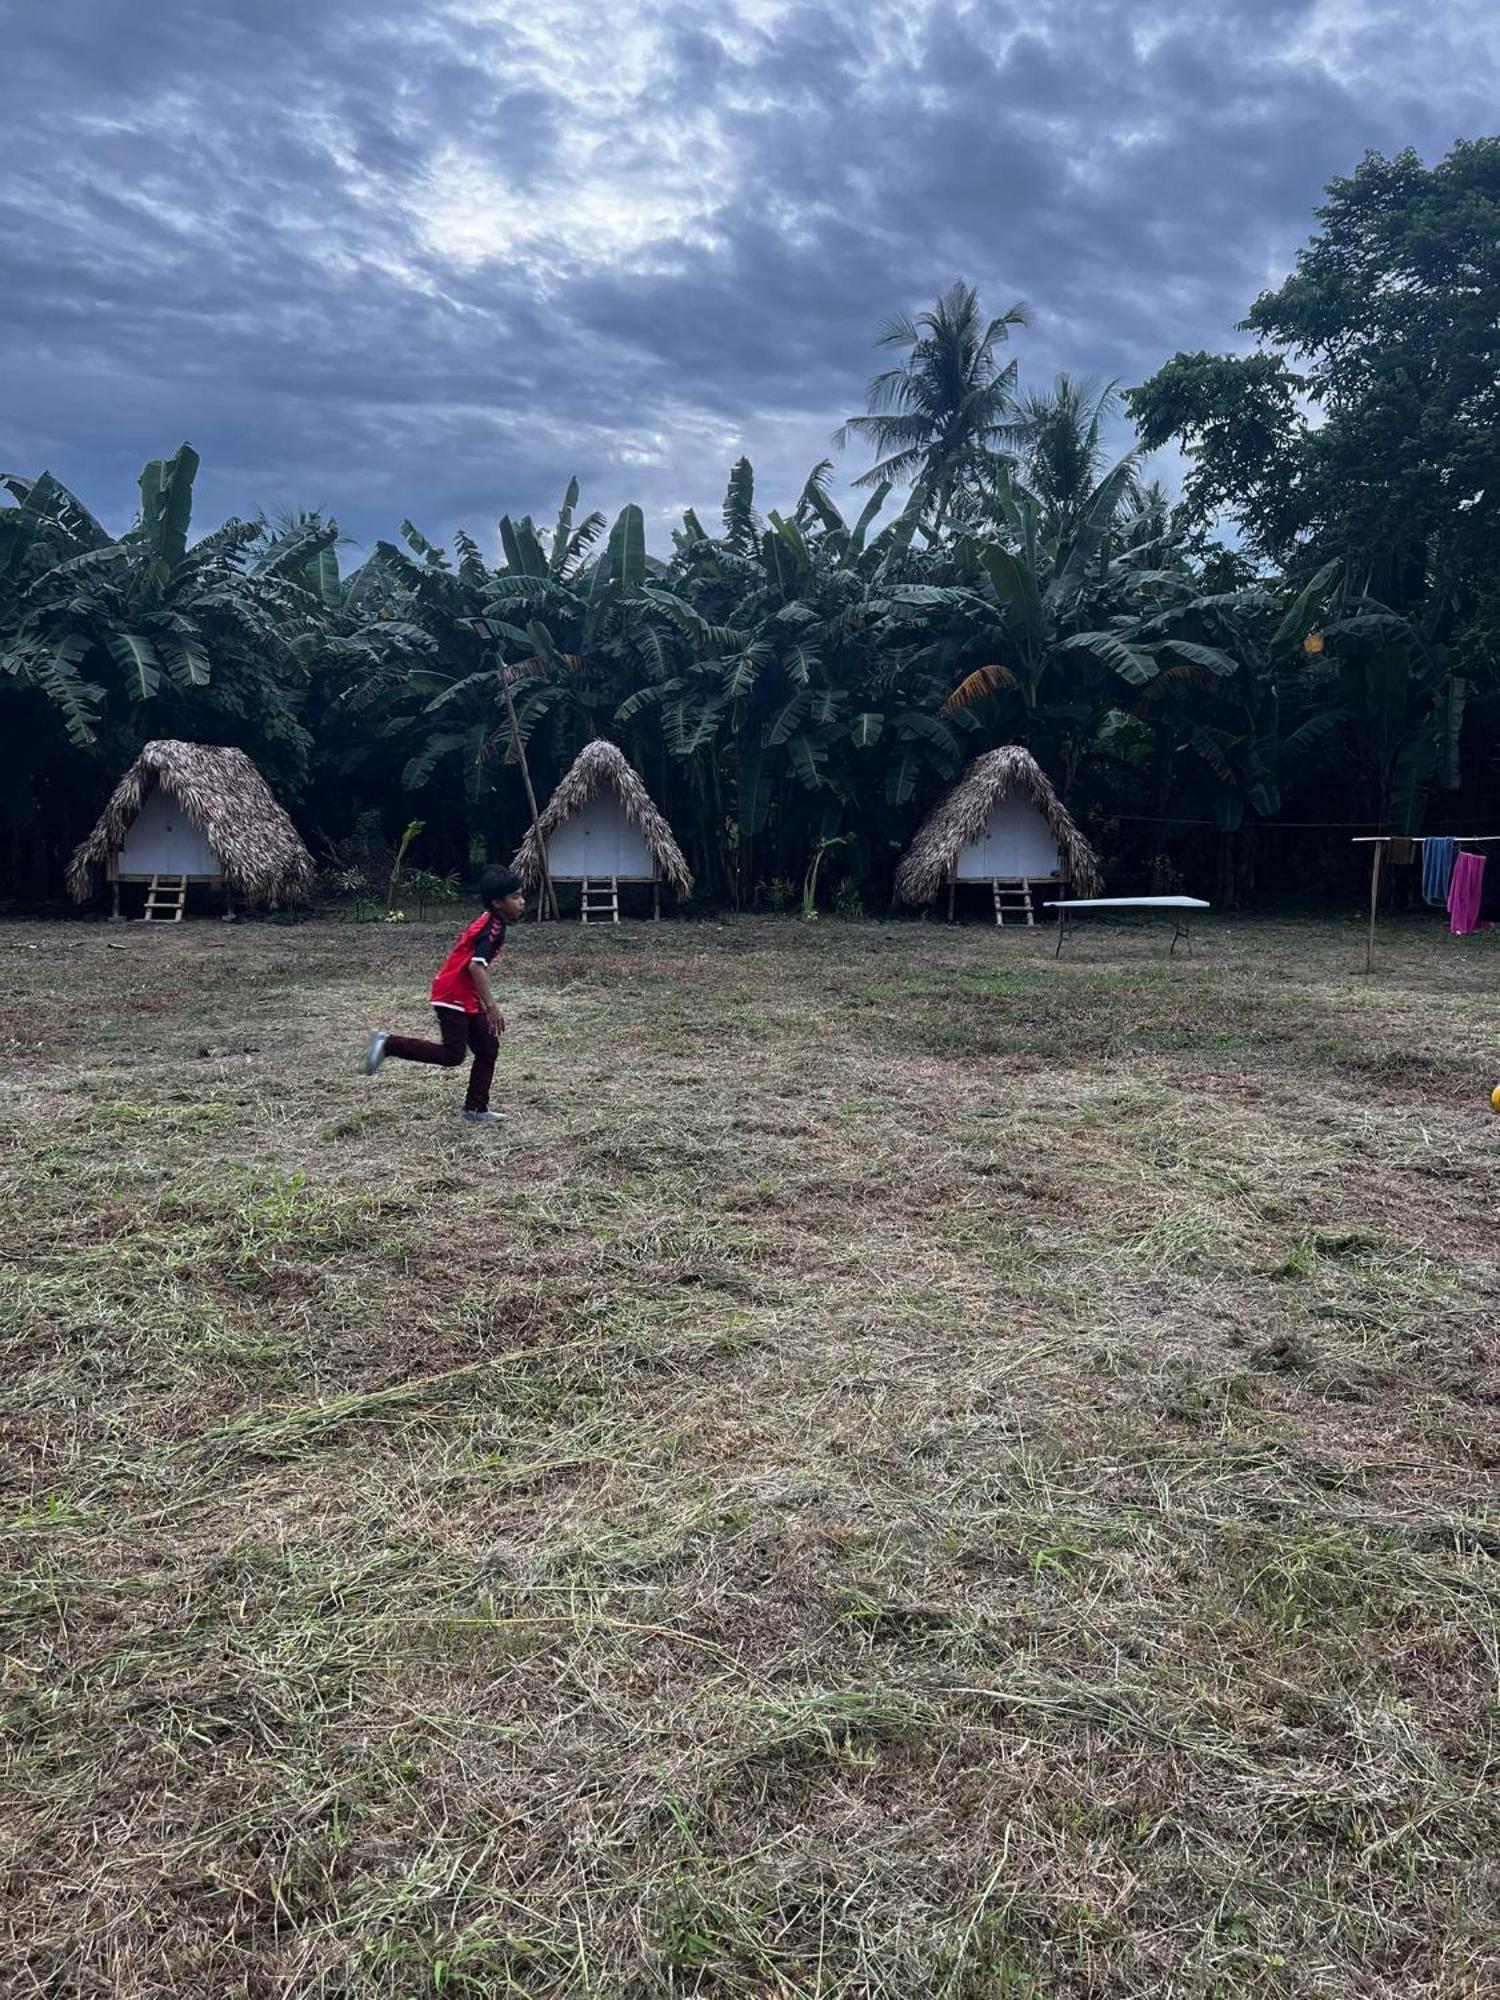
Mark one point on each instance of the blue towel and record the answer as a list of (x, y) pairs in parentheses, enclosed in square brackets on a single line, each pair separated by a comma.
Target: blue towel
[(1437, 868)]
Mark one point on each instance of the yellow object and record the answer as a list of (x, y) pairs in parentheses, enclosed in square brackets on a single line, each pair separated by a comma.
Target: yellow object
[(1313, 643), (1495, 1098)]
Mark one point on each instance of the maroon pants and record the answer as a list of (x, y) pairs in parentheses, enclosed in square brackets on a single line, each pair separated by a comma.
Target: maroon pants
[(461, 1032)]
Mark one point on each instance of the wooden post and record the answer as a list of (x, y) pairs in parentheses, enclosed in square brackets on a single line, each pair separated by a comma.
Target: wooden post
[(549, 894), (952, 885), (114, 897), (1377, 849), (656, 899)]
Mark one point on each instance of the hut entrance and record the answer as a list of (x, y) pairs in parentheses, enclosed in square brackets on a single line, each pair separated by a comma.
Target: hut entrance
[(1014, 852), (1015, 844)]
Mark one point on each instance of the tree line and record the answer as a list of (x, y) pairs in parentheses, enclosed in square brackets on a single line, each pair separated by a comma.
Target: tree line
[(1306, 635)]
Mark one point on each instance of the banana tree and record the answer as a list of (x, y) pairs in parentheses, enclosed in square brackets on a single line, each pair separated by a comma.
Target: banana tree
[(794, 672), (560, 611), (1227, 688), (143, 633), (1021, 650)]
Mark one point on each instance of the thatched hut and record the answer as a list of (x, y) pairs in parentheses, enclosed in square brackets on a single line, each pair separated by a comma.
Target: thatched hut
[(1001, 823), (193, 812), (600, 828)]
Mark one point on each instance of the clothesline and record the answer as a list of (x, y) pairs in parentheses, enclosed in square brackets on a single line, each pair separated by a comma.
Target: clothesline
[(1379, 842), (1293, 826)]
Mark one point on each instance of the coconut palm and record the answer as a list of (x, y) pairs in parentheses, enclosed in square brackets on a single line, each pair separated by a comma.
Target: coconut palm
[(1057, 438), (938, 420)]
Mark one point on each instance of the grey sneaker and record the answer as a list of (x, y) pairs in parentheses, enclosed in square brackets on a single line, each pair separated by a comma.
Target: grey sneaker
[(483, 1117), (375, 1051)]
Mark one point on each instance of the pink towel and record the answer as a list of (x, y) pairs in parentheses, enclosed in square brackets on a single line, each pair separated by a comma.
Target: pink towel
[(1464, 894)]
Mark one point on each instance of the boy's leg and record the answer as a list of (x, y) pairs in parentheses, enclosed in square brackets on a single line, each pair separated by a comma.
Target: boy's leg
[(486, 1046), (449, 1051)]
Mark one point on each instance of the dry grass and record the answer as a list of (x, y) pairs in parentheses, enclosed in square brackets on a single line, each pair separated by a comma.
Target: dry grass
[(909, 1470)]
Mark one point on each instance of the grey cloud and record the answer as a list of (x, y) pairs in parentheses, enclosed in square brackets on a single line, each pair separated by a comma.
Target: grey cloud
[(432, 259)]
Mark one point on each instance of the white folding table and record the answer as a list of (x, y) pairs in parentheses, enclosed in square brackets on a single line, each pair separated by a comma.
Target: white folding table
[(1178, 905)]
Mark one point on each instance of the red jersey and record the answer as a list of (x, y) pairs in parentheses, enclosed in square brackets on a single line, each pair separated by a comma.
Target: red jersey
[(481, 942)]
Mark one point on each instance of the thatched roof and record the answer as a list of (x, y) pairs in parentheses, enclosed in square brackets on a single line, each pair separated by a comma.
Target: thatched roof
[(256, 845), (960, 817), (601, 766)]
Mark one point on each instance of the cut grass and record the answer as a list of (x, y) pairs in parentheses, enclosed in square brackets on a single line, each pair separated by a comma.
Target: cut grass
[(910, 1468)]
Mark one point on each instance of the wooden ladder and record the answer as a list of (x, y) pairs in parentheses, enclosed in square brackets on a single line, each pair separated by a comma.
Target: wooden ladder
[(1013, 900), (166, 899), (600, 904)]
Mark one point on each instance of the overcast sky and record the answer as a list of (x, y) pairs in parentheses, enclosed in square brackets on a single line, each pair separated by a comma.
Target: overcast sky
[(430, 257)]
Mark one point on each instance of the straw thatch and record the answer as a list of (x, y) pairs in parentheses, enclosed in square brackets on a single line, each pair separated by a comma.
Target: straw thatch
[(960, 817), (254, 842), (601, 766)]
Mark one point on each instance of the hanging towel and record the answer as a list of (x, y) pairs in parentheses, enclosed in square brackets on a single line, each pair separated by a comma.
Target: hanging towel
[(1403, 851), (1437, 867), (1465, 894)]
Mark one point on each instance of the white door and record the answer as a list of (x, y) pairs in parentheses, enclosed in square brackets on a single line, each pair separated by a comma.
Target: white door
[(599, 842), (1019, 842), (1016, 843), (164, 840)]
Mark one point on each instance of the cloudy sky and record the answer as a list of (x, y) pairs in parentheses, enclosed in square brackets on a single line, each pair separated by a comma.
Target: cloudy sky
[(430, 257)]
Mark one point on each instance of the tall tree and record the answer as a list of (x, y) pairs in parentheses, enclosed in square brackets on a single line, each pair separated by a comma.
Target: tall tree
[(789, 683), (1368, 426), (938, 420)]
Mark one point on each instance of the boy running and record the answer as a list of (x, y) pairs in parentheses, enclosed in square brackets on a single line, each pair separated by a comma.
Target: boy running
[(464, 1001)]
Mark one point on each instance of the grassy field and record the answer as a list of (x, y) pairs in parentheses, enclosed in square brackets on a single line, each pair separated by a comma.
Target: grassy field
[(908, 1469)]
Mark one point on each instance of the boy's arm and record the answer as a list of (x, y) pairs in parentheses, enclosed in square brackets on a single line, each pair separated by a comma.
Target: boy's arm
[(480, 974)]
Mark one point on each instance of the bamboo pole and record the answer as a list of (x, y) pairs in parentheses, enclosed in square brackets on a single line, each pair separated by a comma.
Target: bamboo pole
[(1376, 852), (549, 894)]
